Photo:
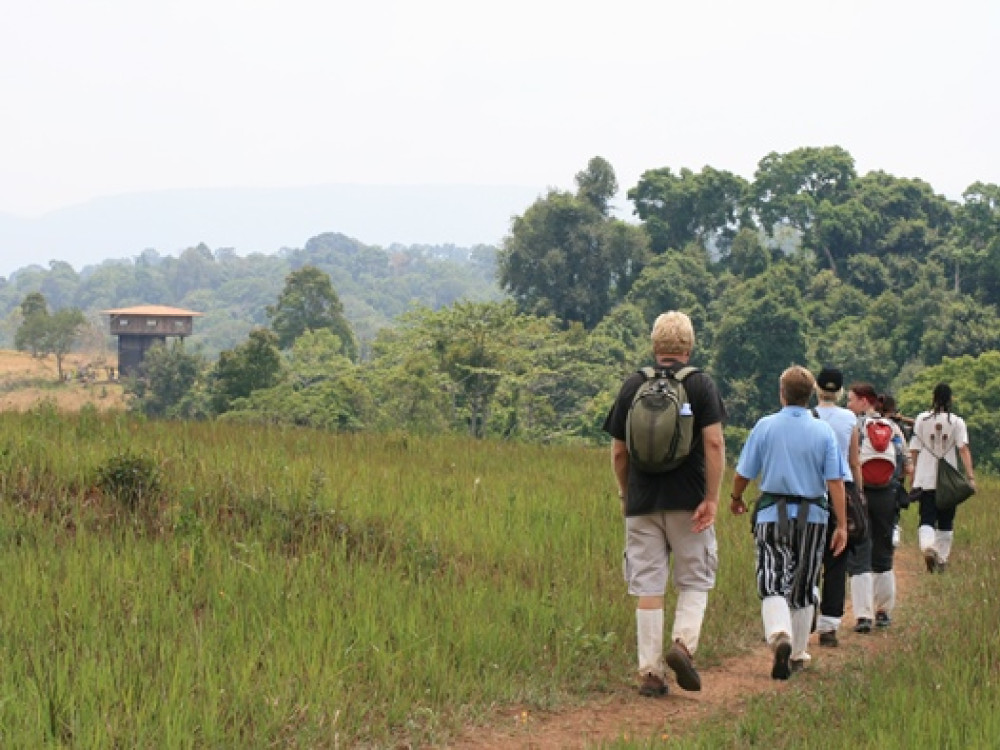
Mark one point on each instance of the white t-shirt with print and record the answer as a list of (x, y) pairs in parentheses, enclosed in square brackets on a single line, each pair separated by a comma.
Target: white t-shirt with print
[(935, 436)]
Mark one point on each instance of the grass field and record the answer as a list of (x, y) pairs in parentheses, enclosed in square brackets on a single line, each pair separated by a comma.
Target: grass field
[(207, 585)]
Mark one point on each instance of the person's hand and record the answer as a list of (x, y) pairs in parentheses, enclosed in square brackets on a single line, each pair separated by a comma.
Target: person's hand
[(838, 540), (736, 506), (704, 515)]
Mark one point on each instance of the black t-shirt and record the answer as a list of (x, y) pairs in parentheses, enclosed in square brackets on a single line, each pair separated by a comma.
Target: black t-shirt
[(684, 487)]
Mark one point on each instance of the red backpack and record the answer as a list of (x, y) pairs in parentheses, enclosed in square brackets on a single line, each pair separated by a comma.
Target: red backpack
[(878, 454)]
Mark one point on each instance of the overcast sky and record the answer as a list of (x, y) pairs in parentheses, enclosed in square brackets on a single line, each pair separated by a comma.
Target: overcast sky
[(103, 97)]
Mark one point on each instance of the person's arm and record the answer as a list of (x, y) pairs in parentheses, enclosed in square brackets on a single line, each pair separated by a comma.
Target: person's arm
[(737, 504), (619, 462), (715, 462), (835, 489), (854, 458), (966, 455)]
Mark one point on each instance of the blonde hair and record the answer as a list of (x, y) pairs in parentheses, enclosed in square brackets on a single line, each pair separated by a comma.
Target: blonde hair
[(828, 396), (797, 385), (672, 334)]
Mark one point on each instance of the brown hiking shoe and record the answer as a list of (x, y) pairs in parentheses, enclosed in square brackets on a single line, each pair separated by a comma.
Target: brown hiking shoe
[(652, 686), (782, 669), (679, 660)]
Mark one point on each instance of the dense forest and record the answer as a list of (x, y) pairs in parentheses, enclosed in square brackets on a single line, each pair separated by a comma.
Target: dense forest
[(808, 262)]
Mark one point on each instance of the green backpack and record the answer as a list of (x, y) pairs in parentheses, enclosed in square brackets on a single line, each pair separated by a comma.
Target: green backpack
[(659, 428)]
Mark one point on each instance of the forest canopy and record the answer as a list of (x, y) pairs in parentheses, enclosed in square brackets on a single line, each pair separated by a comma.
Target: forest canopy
[(808, 262)]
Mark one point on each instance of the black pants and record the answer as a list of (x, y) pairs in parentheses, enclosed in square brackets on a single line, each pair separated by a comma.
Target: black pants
[(875, 556), (834, 586)]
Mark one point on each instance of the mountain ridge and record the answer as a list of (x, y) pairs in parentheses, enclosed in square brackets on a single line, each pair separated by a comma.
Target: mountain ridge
[(262, 220)]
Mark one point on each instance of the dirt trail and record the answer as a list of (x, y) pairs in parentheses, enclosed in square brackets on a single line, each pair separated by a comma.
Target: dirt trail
[(726, 687)]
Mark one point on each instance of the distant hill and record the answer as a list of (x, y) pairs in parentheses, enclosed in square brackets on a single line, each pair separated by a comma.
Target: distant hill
[(261, 220)]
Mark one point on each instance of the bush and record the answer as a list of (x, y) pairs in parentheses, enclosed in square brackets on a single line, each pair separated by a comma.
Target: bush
[(131, 479)]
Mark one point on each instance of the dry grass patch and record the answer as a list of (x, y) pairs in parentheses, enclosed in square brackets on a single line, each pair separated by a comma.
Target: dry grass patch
[(27, 381)]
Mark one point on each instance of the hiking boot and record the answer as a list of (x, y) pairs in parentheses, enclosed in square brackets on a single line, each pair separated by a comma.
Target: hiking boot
[(828, 638), (797, 665), (652, 686), (863, 625), (930, 560), (882, 620), (940, 566), (679, 660), (781, 669)]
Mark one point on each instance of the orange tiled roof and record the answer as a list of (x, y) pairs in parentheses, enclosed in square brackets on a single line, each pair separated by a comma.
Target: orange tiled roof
[(161, 310)]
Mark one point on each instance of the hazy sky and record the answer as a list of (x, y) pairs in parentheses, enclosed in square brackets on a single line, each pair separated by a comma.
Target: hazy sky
[(101, 97)]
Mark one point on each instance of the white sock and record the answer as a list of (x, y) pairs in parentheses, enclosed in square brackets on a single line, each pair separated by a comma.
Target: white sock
[(925, 539), (885, 591), (827, 623), (688, 616), (649, 632), (777, 618), (801, 624), (943, 544), (862, 596)]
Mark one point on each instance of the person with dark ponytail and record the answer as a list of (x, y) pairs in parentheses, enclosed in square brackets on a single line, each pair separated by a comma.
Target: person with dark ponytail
[(937, 433)]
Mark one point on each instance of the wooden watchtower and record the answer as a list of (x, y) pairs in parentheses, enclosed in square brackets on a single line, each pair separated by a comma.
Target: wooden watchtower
[(138, 328)]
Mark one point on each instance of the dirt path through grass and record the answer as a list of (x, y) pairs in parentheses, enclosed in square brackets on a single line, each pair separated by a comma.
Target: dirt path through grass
[(726, 690)]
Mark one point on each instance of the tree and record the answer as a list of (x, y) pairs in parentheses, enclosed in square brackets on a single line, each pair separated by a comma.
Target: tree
[(690, 207), (166, 378), (63, 329), (309, 303), (34, 326), (597, 184), (254, 365), (563, 257), (790, 188), (761, 332), (323, 389)]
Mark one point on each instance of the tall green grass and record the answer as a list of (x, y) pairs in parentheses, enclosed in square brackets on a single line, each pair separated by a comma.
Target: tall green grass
[(294, 587), (282, 587)]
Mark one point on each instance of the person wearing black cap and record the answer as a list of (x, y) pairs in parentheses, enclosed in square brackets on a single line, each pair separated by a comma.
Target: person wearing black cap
[(829, 389)]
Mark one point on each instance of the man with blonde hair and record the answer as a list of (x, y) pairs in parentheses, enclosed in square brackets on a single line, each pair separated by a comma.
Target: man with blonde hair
[(798, 463), (670, 515)]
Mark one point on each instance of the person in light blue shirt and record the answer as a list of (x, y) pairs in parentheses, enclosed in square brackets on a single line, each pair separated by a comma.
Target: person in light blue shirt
[(833, 592), (797, 463)]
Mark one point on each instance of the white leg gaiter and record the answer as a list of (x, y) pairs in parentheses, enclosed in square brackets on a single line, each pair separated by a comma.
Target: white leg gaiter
[(926, 538), (688, 616), (943, 544), (885, 591), (801, 624), (777, 617), (649, 632), (827, 623), (862, 596)]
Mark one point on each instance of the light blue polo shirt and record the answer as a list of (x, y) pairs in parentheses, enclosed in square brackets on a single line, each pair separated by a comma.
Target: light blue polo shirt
[(842, 421), (792, 453)]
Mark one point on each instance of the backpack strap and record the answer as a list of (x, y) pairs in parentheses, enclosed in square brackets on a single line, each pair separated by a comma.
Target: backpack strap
[(684, 372), (648, 372)]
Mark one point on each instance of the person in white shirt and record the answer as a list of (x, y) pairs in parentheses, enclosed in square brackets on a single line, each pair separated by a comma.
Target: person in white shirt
[(937, 433)]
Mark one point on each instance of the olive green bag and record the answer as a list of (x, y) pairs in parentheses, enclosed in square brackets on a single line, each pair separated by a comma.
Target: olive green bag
[(953, 488)]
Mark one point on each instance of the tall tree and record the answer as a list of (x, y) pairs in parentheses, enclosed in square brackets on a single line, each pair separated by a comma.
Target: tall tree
[(253, 365), (563, 257), (790, 188), (62, 332), (597, 184), (309, 303), (703, 207), (34, 326)]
